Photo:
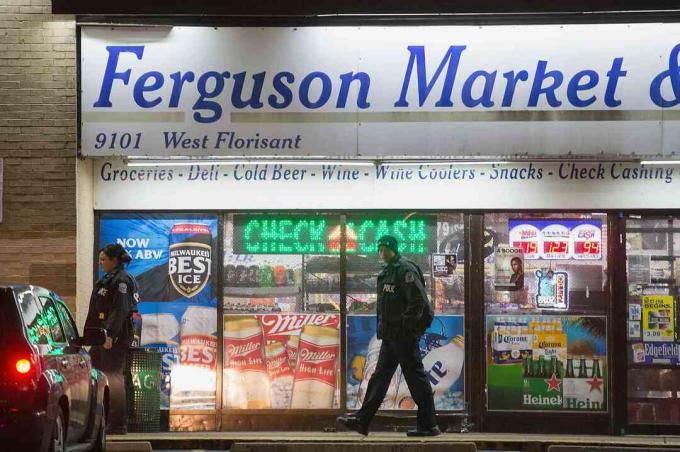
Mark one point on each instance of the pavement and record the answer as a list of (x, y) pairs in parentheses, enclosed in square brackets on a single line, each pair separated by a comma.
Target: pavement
[(389, 441)]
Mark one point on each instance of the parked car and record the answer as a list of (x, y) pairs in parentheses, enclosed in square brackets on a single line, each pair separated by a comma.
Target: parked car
[(51, 399)]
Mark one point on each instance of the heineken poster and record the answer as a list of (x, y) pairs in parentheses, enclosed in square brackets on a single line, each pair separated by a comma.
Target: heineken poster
[(442, 348), (546, 363), (657, 318), (174, 260)]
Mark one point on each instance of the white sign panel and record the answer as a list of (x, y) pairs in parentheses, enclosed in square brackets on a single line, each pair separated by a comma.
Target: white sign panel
[(381, 91), (332, 186)]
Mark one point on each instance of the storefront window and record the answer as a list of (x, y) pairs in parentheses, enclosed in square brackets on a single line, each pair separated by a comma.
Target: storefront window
[(174, 259), (545, 279), (281, 287), (435, 242), (653, 273)]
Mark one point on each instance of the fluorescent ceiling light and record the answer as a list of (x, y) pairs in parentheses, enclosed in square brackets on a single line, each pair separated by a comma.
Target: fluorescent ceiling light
[(445, 163), (244, 162), (660, 162)]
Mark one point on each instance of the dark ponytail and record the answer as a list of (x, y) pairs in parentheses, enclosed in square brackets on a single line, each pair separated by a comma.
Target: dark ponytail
[(117, 251)]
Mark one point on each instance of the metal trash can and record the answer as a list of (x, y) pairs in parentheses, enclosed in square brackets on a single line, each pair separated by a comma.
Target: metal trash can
[(142, 384)]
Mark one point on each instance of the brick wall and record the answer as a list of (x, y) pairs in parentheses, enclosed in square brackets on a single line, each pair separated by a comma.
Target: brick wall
[(38, 146)]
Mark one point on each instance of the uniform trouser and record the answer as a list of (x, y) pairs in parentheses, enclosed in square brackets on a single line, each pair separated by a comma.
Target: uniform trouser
[(403, 351), (112, 363)]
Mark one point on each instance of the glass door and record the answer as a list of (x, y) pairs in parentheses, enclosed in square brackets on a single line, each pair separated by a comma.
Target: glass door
[(653, 277), (435, 242), (546, 303)]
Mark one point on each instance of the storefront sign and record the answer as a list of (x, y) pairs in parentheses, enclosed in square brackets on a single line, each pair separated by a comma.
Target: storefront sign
[(554, 363), (420, 186), (375, 91), (286, 234)]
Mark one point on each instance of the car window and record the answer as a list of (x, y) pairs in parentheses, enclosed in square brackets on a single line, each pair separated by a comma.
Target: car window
[(36, 327), (52, 319), (67, 322)]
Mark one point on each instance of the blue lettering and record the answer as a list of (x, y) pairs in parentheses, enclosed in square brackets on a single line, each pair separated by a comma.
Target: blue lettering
[(673, 73), (575, 86), (537, 88), (141, 87), (326, 86), (485, 99), (613, 75), (424, 87), (202, 104), (512, 80), (364, 84), (110, 73), (381, 171), (237, 94), (283, 90), (178, 80)]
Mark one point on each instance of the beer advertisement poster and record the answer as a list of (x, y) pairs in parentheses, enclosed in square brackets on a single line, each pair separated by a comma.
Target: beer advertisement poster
[(547, 363), (509, 269), (281, 361), (442, 348), (658, 324), (174, 260)]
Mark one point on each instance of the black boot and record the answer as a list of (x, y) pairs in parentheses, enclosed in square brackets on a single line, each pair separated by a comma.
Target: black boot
[(353, 423), (434, 431)]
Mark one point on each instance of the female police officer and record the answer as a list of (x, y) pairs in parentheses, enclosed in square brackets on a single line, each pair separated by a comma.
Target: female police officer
[(113, 301)]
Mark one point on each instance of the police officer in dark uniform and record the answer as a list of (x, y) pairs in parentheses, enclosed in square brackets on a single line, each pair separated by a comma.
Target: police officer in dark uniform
[(112, 304), (404, 313)]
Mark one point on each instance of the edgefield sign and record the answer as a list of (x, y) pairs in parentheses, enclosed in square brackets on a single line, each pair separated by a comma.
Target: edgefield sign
[(373, 91)]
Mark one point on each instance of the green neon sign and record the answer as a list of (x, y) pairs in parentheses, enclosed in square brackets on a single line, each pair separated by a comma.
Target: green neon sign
[(280, 235), (291, 234), (363, 234)]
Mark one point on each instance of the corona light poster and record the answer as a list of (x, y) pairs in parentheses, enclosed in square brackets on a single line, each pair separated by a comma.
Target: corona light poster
[(281, 361), (442, 348), (174, 260), (547, 363)]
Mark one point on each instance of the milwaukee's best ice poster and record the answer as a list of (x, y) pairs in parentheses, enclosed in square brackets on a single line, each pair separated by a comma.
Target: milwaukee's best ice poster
[(442, 348), (281, 361), (547, 363), (174, 260)]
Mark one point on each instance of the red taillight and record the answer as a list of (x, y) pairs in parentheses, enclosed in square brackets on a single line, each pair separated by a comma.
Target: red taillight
[(23, 366)]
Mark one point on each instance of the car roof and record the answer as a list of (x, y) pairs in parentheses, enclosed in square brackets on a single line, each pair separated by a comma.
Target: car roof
[(15, 287)]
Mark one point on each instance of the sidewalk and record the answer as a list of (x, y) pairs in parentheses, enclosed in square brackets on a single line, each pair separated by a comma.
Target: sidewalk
[(326, 441)]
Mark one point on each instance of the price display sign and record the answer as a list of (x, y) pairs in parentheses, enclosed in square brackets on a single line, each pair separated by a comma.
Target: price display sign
[(586, 240), (557, 239), (527, 237)]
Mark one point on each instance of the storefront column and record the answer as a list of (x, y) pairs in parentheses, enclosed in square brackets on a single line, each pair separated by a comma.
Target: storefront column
[(474, 318), (85, 237)]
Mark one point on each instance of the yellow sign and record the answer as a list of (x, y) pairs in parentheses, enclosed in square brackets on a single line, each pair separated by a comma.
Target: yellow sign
[(658, 323)]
